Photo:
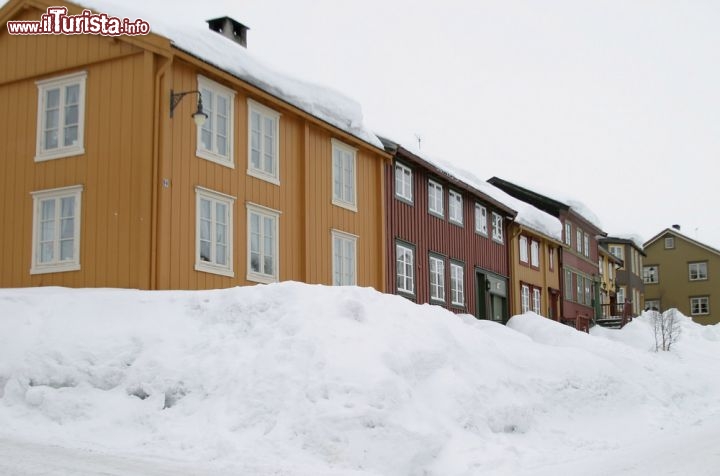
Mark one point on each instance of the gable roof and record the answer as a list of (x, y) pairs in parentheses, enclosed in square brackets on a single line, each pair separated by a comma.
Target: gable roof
[(551, 205), (190, 34), (625, 241), (677, 234)]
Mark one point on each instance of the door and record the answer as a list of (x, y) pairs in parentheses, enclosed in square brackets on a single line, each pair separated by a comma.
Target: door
[(481, 295)]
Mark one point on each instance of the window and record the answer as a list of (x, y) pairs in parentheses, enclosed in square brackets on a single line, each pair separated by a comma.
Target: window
[(568, 234), (405, 268), (699, 306), (525, 298), (579, 240), (497, 227), (56, 230), (437, 279), (263, 246), (568, 285), (481, 225), (343, 171), (669, 243), (263, 142), (551, 258), (537, 308), (61, 117), (652, 305), (698, 271), (580, 294), (588, 291), (523, 249), (617, 251), (535, 253), (435, 198), (215, 136), (344, 250), (403, 182), (213, 232), (601, 267), (455, 208), (651, 274), (621, 295), (633, 261), (457, 284), (586, 249)]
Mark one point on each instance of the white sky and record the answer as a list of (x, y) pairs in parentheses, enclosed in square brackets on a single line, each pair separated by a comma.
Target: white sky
[(626, 94)]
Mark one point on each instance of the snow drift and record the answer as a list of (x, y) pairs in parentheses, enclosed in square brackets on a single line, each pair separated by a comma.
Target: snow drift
[(299, 379)]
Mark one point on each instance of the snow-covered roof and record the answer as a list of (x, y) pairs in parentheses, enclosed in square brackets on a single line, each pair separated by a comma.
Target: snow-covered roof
[(527, 215), (576, 205), (189, 32), (635, 238)]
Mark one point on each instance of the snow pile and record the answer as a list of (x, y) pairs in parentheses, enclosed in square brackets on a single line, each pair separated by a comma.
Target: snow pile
[(310, 380), (189, 32)]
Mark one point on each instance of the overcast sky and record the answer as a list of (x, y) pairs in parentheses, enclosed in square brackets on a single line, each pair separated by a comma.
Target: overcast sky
[(616, 103)]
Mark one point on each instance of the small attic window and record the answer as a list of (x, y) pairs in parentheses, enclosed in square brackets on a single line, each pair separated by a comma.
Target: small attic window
[(669, 243)]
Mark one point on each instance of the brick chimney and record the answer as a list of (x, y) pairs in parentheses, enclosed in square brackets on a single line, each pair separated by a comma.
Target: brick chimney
[(231, 29)]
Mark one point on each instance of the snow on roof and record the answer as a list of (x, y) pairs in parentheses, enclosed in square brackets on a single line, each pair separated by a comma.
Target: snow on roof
[(527, 215), (559, 196), (635, 238), (183, 26)]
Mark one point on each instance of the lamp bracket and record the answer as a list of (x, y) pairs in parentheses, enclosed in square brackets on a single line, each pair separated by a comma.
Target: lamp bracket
[(175, 98)]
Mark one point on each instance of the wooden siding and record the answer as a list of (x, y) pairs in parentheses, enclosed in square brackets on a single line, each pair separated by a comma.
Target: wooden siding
[(413, 224), (303, 197), (541, 277), (115, 169)]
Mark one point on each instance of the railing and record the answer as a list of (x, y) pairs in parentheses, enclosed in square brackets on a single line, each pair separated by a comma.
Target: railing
[(622, 312)]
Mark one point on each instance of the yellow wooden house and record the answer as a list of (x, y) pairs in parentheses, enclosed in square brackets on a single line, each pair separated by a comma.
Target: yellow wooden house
[(106, 180)]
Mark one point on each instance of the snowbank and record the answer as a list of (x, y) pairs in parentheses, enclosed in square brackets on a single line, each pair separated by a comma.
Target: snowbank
[(299, 379)]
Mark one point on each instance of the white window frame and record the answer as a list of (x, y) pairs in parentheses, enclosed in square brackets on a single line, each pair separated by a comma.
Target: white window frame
[(568, 234), (265, 113), (569, 287), (263, 213), (586, 248), (57, 194), (497, 227), (457, 284), (404, 268), (437, 289), (42, 153), (534, 253), (523, 248), (698, 302), (579, 240), (536, 301), (481, 220), (524, 298), (617, 251), (651, 279), (229, 202), (437, 191), (650, 303), (700, 268), (669, 242), (455, 207), (620, 295), (212, 154), (403, 182), (579, 289), (338, 267), (339, 174)]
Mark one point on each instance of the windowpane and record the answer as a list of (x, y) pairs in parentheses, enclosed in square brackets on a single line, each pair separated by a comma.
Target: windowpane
[(52, 119), (53, 98), (51, 139)]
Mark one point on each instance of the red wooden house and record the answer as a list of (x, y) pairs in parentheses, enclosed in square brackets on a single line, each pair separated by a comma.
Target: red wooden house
[(446, 240)]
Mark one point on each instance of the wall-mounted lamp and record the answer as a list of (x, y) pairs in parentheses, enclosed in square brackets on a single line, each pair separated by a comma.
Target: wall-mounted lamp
[(198, 116)]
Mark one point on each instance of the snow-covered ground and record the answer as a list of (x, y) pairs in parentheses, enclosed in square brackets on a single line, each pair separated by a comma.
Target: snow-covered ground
[(292, 379)]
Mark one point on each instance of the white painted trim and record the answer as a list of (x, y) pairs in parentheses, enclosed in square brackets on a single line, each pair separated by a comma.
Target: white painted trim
[(211, 155), (41, 154), (263, 212), (211, 267), (339, 201), (56, 267), (263, 110), (343, 236)]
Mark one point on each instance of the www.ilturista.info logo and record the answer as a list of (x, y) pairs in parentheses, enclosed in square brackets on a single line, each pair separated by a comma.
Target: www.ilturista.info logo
[(57, 22)]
